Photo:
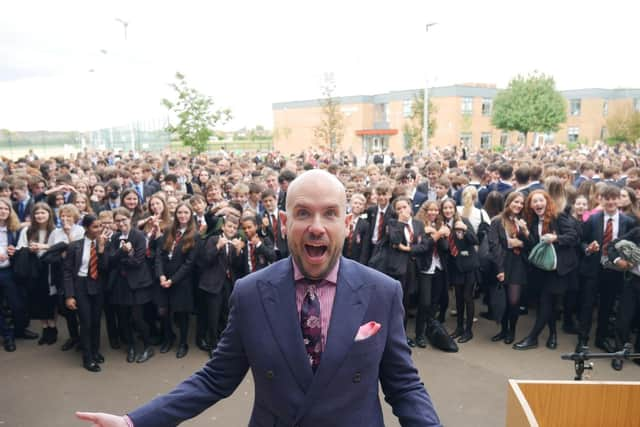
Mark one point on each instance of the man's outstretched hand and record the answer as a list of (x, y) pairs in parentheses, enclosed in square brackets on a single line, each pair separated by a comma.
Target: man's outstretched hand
[(100, 419)]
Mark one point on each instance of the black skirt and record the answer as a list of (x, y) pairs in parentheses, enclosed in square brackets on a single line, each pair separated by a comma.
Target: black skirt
[(515, 268), (41, 305), (178, 298), (548, 281)]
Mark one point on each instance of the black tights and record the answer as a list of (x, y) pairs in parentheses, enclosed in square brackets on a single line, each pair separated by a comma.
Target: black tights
[(547, 312), (464, 302), (130, 317), (510, 318)]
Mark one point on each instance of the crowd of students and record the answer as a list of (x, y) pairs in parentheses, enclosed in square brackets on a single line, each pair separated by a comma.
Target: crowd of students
[(145, 241)]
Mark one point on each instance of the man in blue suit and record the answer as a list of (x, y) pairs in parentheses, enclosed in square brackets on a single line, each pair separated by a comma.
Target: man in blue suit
[(300, 325)]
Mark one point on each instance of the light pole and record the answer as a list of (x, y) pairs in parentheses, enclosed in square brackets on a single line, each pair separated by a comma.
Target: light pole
[(425, 119), (125, 24)]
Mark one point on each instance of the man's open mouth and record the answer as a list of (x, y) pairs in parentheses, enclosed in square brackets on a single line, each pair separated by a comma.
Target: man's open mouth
[(315, 251)]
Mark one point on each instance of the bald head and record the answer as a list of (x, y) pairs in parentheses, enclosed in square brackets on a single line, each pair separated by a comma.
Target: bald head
[(313, 181), (315, 222)]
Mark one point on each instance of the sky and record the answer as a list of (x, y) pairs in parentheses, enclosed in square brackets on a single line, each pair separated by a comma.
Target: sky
[(66, 65)]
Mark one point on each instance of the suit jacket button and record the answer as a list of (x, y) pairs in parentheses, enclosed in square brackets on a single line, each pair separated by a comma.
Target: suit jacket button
[(269, 375), (356, 377)]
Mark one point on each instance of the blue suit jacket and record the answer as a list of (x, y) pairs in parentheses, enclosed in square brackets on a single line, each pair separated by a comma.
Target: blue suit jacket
[(263, 334)]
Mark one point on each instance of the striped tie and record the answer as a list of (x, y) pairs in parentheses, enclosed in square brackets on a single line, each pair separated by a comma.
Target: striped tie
[(608, 237), (93, 261)]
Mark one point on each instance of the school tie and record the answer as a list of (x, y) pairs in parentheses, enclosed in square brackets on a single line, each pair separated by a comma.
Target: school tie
[(380, 222), (608, 237), (140, 193), (350, 236), (310, 323), (274, 226), (408, 227), (227, 249), (516, 251), (93, 261), (21, 211), (452, 244), (252, 256)]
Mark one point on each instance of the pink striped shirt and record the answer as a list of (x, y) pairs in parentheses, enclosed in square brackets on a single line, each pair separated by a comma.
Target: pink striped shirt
[(326, 293)]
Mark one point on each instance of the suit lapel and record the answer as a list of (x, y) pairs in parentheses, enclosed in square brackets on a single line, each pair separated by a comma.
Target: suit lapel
[(349, 307), (600, 227), (79, 248), (279, 301)]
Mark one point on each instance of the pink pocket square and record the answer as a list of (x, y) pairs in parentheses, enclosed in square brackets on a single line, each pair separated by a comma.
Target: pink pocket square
[(367, 330)]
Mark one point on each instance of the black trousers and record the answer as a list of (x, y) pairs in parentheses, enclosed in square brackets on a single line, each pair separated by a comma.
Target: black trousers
[(430, 289), (89, 314), (130, 317), (214, 303), (70, 316), (15, 299), (114, 330), (629, 304), (607, 284)]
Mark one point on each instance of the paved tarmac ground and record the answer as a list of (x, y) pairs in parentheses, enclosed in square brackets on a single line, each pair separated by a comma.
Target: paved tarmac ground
[(43, 386)]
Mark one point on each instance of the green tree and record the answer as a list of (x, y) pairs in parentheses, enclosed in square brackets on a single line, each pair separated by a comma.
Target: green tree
[(195, 114), (331, 128), (529, 104), (414, 126), (623, 126)]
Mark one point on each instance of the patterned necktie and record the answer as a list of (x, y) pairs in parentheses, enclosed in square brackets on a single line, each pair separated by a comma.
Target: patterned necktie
[(380, 221), (227, 249), (311, 326), (21, 211), (452, 244), (350, 236), (274, 226), (408, 227), (608, 236), (93, 261), (252, 256), (175, 242)]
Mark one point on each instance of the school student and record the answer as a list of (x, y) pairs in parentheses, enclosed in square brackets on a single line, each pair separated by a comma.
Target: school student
[(85, 272)]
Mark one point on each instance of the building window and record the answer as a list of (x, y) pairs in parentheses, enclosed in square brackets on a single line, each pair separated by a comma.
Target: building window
[(381, 112), (605, 108), (504, 139), (603, 133), (636, 104), (487, 106), (407, 108), (485, 140), (465, 139), (573, 134), (574, 107), (467, 105), (521, 138)]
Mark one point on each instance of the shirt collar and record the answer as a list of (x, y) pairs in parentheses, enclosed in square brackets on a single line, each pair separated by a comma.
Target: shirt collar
[(331, 278), (613, 217)]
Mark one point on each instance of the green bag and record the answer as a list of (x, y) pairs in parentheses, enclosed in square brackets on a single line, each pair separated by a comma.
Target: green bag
[(543, 256)]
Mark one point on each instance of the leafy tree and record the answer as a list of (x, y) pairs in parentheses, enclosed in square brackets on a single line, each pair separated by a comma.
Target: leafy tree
[(529, 104), (624, 126), (331, 128), (195, 113), (414, 127)]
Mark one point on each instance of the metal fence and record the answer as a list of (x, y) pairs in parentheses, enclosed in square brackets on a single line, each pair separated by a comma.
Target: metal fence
[(132, 137)]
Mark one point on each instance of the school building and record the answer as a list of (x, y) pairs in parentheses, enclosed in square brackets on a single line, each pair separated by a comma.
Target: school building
[(462, 114)]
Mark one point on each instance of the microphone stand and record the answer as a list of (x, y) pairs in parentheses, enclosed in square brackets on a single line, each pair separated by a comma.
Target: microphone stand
[(582, 355)]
